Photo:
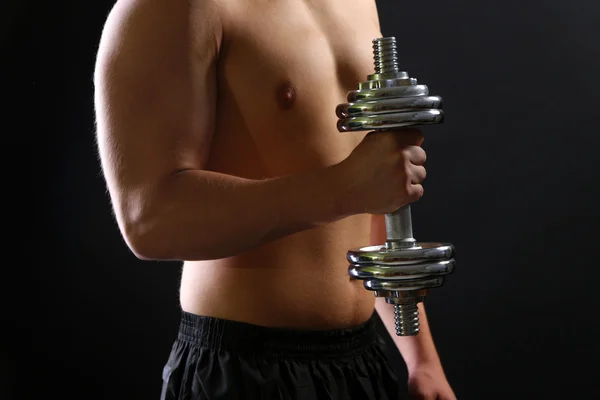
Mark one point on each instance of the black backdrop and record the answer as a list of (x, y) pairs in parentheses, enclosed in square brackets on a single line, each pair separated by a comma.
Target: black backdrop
[(512, 182)]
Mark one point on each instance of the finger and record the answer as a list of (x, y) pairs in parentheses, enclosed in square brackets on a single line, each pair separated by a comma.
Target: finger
[(418, 174), (414, 192), (416, 155)]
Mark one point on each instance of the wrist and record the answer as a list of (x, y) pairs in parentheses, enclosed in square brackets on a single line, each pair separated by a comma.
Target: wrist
[(338, 182), (423, 362)]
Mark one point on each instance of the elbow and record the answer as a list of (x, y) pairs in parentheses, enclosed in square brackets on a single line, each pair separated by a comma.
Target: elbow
[(145, 242), (158, 243), (142, 227), (155, 239), (141, 250), (144, 235), (155, 229)]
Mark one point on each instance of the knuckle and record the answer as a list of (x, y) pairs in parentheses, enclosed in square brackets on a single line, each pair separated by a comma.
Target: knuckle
[(407, 171), (404, 154), (400, 160)]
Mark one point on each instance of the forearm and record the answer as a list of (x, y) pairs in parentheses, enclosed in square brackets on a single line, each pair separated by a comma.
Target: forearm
[(415, 350), (200, 215)]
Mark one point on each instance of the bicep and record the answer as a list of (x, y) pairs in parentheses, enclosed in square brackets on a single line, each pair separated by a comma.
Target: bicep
[(155, 92)]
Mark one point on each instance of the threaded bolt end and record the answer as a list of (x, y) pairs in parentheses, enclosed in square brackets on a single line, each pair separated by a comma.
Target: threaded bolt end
[(385, 55), (407, 319)]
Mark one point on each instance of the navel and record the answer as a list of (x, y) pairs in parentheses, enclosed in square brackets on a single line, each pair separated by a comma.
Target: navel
[(286, 95)]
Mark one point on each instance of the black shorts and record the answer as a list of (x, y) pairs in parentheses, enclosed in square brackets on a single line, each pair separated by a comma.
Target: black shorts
[(220, 359)]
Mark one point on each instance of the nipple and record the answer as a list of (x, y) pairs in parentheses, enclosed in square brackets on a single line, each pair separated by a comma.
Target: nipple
[(286, 95)]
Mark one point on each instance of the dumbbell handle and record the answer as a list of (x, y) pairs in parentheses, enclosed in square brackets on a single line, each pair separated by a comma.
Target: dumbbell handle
[(398, 227)]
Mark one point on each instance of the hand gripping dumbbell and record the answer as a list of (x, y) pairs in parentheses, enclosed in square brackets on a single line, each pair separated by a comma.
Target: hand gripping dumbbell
[(402, 270)]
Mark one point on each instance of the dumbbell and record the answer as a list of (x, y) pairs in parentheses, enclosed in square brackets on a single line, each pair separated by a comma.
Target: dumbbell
[(401, 270)]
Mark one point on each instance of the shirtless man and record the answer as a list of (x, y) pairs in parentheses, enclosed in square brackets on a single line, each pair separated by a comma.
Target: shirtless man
[(217, 135)]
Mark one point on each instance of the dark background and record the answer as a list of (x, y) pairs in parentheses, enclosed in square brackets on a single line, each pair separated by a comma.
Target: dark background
[(512, 183)]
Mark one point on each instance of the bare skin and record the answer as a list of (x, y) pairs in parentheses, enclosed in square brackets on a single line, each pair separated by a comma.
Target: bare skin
[(218, 140), (279, 99)]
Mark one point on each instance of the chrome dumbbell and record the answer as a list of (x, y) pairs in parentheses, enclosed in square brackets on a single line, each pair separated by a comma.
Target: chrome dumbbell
[(402, 270)]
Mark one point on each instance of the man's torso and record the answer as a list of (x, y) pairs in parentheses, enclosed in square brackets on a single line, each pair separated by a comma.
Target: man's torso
[(283, 68)]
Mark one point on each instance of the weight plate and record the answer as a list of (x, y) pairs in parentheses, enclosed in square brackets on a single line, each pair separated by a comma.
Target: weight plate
[(365, 108), (390, 121), (405, 271), (396, 91), (403, 285), (381, 255)]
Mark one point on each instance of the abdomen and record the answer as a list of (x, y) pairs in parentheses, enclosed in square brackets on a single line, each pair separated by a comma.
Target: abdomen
[(298, 281)]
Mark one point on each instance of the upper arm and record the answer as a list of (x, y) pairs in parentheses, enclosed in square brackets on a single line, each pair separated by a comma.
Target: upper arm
[(155, 91)]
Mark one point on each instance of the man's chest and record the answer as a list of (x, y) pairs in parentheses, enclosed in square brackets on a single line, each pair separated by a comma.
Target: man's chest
[(283, 69), (320, 51)]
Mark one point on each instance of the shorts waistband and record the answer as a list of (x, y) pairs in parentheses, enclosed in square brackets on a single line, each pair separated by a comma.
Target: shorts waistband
[(242, 337)]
